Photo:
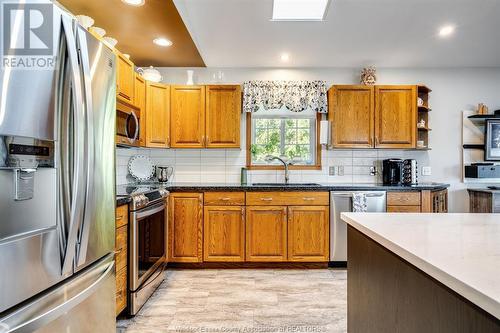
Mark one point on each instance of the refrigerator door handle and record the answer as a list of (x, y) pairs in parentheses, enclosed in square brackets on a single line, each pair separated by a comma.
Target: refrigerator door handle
[(89, 145), (78, 181), (57, 302)]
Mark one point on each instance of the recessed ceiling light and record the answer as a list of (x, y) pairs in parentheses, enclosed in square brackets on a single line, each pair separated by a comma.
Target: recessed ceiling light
[(136, 3), (299, 10), (285, 57), (446, 30), (162, 42)]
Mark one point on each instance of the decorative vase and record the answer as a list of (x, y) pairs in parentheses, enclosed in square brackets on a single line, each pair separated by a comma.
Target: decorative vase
[(190, 77)]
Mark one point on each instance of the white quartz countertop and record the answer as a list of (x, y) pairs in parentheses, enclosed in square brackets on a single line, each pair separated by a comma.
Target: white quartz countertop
[(462, 251)]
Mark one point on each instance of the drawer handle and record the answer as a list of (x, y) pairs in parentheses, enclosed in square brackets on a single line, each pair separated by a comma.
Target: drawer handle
[(118, 218), (117, 252), (308, 198), (225, 199), (266, 199)]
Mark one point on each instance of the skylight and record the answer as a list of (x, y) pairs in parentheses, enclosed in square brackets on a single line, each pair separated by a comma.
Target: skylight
[(299, 10)]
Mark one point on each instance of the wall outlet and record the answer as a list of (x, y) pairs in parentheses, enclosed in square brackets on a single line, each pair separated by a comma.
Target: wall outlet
[(426, 171), (340, 170), (336, 170), (332, 171)]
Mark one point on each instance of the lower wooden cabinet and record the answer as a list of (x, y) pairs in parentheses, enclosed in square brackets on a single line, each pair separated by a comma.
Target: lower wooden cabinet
[(308, 233), (121, 241), (266, 233), (121, 290), (185, 227), (224, 234)]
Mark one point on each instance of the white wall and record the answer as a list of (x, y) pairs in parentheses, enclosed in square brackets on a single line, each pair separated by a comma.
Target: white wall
[(454, 90)]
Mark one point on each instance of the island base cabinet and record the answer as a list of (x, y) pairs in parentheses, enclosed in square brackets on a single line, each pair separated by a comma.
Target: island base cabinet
[(308, 233), (224, 234), (185, 227), (266, 233)]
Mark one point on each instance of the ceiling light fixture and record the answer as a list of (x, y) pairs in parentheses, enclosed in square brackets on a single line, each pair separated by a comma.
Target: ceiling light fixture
[(162, 42), (446, 30), (299, 10), (285, 57), (136, 3)]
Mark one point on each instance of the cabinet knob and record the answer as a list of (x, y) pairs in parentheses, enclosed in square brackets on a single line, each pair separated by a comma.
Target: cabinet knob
[(266, 199), (225, 199), (308, 198)]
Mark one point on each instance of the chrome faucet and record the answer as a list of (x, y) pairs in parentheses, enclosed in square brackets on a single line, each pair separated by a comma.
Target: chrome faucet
[(270, 158)]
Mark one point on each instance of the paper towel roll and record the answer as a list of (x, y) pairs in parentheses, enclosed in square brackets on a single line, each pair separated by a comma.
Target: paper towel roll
[(324, 131)]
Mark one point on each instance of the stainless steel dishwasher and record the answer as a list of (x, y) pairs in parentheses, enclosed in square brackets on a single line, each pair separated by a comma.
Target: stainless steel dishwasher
[(341, 202)]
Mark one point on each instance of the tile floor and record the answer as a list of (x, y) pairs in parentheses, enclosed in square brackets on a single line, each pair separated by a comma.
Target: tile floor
[(245, 300)]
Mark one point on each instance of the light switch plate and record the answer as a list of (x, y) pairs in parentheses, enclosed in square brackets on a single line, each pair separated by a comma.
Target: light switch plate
[(426, 171), (332, 171)]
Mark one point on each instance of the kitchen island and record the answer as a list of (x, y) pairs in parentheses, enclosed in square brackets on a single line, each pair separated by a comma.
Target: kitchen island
[(423, 272)]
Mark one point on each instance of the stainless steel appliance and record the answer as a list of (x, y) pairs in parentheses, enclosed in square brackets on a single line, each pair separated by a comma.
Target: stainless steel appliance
[(147, 240), (392, 171), (57, 175), (341, 202), (410, 172), (127, 124), (163, 173)]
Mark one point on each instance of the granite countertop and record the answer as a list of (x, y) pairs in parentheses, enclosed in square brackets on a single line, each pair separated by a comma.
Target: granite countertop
[(461, 251)]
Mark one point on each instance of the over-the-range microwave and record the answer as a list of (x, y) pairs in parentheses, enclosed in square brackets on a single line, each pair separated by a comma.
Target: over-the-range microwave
[(127, 124)]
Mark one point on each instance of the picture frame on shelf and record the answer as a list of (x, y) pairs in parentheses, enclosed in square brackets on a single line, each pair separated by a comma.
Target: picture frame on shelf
[(492, 140)]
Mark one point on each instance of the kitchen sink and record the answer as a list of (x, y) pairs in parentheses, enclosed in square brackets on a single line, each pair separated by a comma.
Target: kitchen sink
[(286, 184)]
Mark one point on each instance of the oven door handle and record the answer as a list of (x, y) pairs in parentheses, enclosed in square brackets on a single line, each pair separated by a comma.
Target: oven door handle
[(150, 211)]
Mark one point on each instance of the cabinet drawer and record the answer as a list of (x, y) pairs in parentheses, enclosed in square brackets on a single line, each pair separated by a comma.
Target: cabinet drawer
[(288, 198), (121, 290), (224, 198), (403, 198), (403, 209), (121, 247), (121, 216)]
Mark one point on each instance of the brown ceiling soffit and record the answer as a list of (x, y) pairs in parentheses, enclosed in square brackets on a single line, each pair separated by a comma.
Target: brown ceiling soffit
[(136, 27)]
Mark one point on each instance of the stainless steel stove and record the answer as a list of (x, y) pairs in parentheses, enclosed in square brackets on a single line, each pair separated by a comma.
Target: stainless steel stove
[(147, 242)]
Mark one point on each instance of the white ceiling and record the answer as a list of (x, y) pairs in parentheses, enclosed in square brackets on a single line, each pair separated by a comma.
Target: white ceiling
[(386, 33)]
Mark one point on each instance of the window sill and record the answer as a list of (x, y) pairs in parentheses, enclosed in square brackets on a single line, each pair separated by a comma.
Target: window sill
[(280, 167)]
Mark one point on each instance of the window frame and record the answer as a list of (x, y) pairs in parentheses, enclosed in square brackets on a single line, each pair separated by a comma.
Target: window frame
[(250, 166)]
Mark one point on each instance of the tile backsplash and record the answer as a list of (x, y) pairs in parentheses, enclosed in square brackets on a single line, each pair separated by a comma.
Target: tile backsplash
[(224, 165)]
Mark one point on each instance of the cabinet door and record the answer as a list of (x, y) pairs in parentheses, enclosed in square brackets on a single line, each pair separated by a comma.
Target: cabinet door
[(125, 78), (266, 233), (140, 102), (308, 233), (224, 233), (395, 116), (188, 116), (223, 115), (185, 227), (352, 116), (157, 115)]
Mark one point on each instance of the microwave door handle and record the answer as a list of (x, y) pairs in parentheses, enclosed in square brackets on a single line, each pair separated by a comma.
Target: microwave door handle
[(89, 145), (78, 181), (136, 133)]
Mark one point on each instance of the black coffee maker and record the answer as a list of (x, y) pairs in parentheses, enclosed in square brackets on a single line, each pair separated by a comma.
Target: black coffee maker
[(392, 171)]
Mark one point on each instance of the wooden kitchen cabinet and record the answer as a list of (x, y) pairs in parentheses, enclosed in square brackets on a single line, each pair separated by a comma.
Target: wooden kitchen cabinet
[(223, 115), (157, 115), (308, 233), (224, 234), (187, 127), (125, 78), (185, 227), (395, 116), (351, 114), (121, 242), (266, 233), (140, 103)]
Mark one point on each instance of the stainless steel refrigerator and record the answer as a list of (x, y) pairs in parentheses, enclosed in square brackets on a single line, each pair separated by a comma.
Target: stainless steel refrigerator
[(57, 188)]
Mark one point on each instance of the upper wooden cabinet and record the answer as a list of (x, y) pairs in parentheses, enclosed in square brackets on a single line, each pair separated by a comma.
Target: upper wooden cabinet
[(395, 116), (157, 115), (373, 116), (185, 229), (351, 113), (125, 78), (187, 127), (223, 114), (140, 102)]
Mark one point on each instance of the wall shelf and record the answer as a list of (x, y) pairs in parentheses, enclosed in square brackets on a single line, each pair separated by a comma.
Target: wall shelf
[(423, 108), (424, 129)]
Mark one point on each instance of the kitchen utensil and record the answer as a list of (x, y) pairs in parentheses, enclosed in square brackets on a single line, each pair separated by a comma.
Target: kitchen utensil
[(150, 74), (163, 173), (141, 167), (85, 21), (99, 31), (110, 41)]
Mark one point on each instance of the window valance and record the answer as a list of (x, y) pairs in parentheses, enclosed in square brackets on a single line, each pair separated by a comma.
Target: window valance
[(296, 96)]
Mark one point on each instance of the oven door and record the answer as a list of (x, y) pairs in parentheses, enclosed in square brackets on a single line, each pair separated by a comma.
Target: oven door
[(147, 243), (127, 126)]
